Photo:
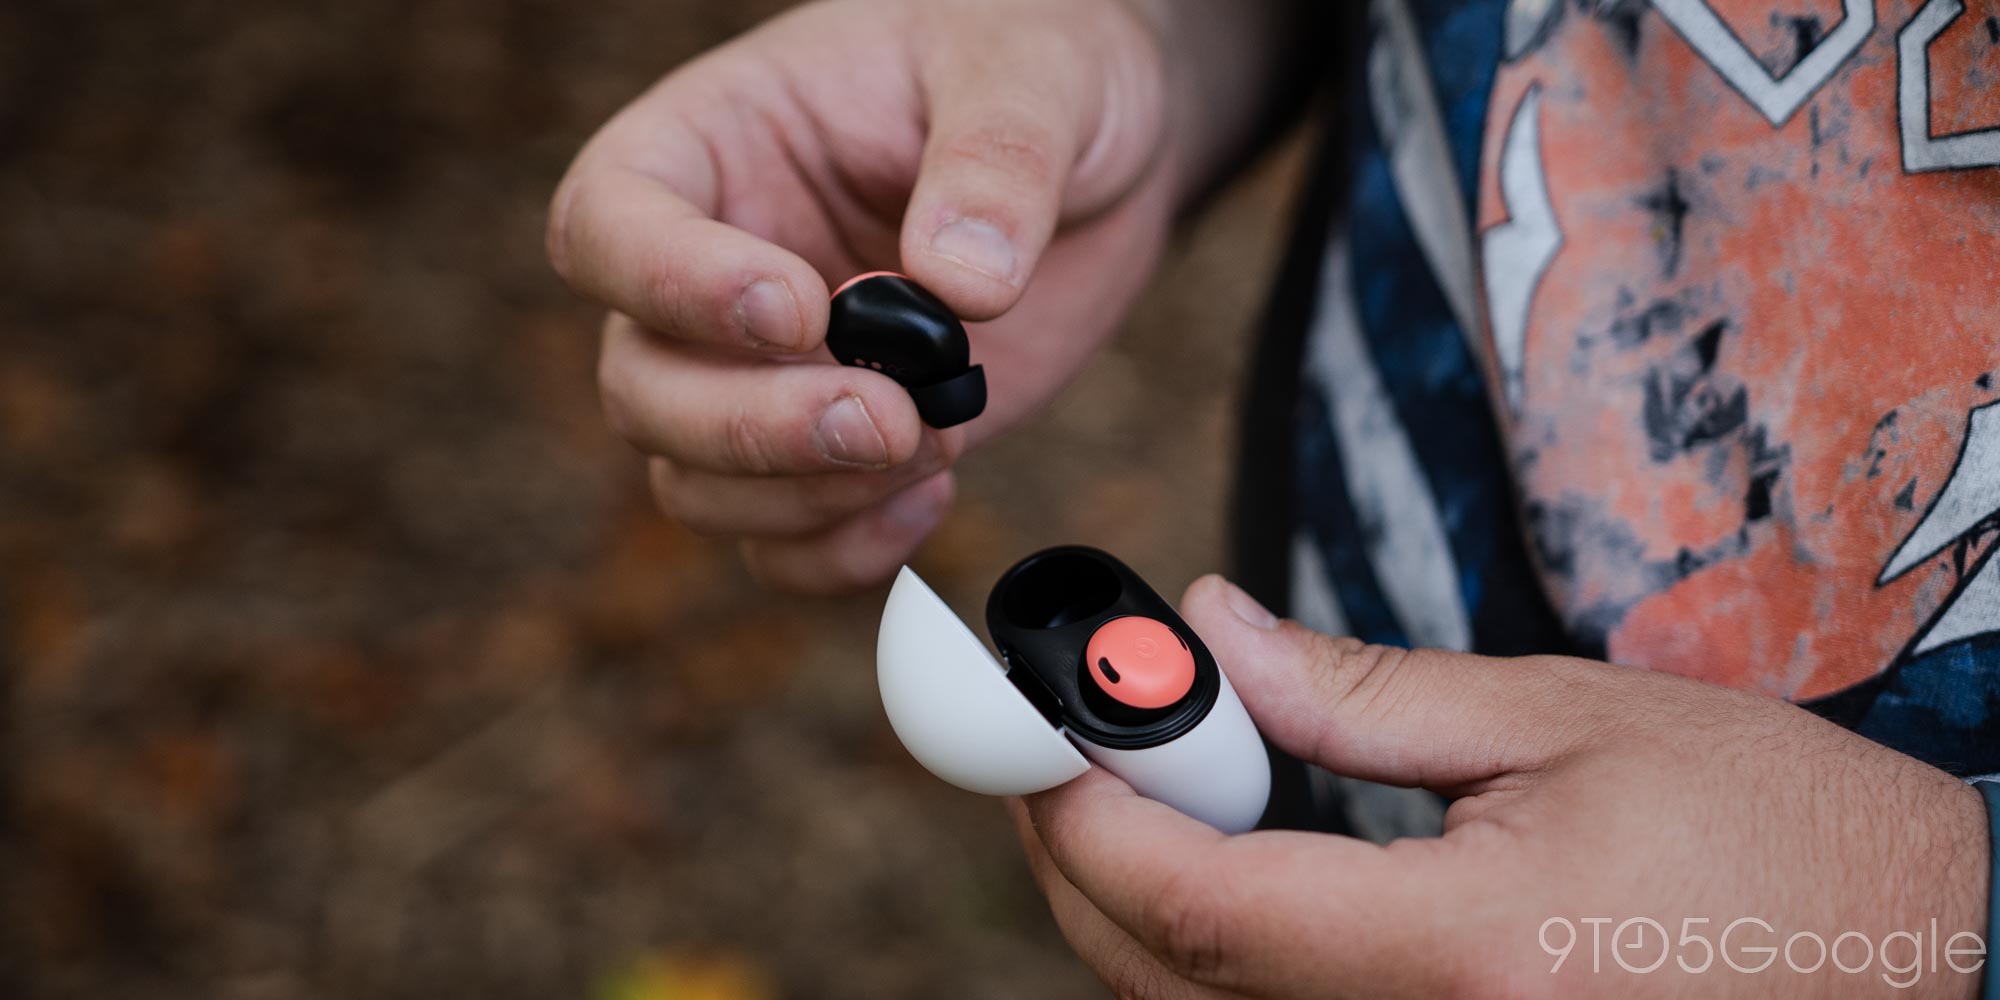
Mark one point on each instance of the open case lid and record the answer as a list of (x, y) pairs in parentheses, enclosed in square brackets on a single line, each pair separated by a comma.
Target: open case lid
[(953, 707)]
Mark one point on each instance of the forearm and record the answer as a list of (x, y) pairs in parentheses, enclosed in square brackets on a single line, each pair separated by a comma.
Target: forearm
[(1238, 73)]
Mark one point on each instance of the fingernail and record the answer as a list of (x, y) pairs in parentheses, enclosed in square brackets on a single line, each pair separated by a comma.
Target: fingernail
[(769, 315), (1246, 607), (918, 508), (977, 244), (846, 434)]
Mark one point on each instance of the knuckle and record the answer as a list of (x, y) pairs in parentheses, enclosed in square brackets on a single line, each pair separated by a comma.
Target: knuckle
[(1355, 680), (663, 294), (1017, 150), (745, 445), (1356, 673)]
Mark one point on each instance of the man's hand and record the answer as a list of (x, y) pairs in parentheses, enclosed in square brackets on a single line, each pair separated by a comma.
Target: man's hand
[(1010, 155), (1584, 791)]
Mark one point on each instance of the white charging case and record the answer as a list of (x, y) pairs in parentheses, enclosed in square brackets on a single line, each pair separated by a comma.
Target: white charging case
[(952, 706)]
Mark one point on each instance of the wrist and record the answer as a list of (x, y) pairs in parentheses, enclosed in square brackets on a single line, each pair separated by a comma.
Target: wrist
[(1230, 81)]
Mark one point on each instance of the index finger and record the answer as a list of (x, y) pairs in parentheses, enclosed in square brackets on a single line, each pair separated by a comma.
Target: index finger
[(635, 233), (1274, 911)]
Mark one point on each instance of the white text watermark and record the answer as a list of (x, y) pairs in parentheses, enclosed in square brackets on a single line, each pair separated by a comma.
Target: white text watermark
[(1751, 945)]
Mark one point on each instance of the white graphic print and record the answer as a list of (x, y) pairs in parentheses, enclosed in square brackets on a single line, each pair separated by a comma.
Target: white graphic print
[(1970, 497), (1922, 151), (1528, 22), (1777, 98), (1412, 128), (1401, 529), (1514, 254), (1314, 603), (1974, 611)]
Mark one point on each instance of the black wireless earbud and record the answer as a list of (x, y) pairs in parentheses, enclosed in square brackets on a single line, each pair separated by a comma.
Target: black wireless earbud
[(885, 321)]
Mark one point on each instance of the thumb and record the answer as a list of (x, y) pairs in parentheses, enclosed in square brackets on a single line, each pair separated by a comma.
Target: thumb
[(1007, 120), (1412, 717)]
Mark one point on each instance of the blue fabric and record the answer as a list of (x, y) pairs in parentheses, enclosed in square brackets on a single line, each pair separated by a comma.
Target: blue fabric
[(1942, 707), (1433, 381)]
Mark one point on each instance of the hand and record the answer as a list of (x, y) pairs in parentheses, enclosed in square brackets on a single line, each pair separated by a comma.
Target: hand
[(1009, 155), (1584, 791)]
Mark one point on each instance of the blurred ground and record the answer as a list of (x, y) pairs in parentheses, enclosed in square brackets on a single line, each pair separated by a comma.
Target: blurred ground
[(344, 656)]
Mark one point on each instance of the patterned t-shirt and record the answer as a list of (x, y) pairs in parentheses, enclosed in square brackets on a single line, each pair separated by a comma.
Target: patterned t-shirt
[(1667, 333)]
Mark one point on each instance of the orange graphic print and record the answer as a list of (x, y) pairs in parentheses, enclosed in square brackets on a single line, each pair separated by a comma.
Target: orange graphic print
[(1749, 365)]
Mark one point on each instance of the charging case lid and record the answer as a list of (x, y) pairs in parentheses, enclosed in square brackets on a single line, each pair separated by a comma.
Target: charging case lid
[(952, 706)]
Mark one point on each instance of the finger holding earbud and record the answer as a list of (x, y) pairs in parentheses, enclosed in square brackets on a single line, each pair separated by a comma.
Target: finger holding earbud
[(1015, 115), (712, 410), (644, 242), (988, 189)]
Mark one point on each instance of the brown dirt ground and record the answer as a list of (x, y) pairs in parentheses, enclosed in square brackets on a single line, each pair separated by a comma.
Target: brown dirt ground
[(344, 654)]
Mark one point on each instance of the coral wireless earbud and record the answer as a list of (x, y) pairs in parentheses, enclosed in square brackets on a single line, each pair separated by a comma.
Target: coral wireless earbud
[(886, 322), (1139, 662), (1098, 669)]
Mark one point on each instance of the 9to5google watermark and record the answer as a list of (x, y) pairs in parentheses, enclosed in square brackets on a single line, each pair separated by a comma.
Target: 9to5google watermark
[(1751, 945)]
